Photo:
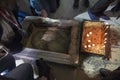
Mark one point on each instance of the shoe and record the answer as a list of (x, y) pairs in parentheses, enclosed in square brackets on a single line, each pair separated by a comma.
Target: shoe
[(104, 72), (92, 16), (44, 70)]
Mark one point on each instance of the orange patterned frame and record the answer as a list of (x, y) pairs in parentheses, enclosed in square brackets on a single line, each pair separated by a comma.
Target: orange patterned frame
[(96, 38)]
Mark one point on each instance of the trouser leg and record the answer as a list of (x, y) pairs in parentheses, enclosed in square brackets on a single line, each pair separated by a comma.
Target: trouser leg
[(76, 4), (116, 8), (58, 3), (46, 6), (86, 3), (100, 6), (52, 5), (7, 62), (22, 72)]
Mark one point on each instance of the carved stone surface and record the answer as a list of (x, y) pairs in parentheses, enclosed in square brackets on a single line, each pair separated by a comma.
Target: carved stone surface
[(55, 37)]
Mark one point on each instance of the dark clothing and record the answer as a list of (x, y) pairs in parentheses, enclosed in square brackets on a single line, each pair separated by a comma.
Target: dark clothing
[(19, 15), (5, 78), (15, 45), (100, 7), (7, 63), (116, 8), (22, 72), (10, 31), (115, 75), (48, 5), (44, 69), (97, 11), (76, 3)]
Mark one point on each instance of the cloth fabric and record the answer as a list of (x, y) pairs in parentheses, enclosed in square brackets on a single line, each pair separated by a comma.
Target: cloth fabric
[(11, 37), (101, 6), (111, 75), (116, 7), (22, 72), (48, 5), (4, 78), (115, 75), (98, 10), (7, 63)]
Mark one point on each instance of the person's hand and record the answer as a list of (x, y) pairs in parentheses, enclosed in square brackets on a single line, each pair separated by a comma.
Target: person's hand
[(44, 13)]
